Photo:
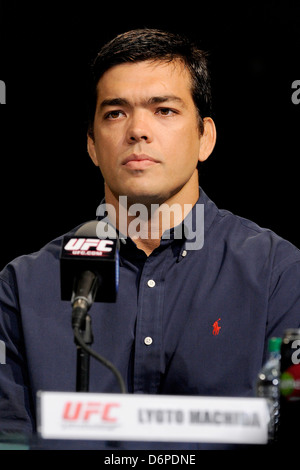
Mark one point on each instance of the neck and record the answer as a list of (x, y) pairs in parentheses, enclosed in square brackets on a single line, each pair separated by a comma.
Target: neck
[(146, 223)]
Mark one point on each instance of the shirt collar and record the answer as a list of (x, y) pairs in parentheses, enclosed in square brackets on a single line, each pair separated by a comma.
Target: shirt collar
[(195, 226), (191, 231)]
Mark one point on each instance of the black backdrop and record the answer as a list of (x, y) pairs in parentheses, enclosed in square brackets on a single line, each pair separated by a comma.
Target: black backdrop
[(49, 184)]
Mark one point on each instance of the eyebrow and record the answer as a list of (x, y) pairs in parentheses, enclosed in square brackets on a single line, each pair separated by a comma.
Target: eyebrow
[(150, 101)]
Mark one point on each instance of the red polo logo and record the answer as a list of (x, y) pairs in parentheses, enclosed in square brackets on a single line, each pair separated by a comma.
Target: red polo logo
[(216, 328)]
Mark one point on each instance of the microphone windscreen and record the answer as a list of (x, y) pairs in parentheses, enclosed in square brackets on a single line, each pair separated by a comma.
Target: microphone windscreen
[(89, 229)]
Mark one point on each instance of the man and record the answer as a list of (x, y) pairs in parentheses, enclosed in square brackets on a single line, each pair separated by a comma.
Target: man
[(200, 293)]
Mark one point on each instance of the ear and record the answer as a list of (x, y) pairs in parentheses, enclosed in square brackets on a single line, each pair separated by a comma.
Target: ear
[(208, 139), (91, 149)]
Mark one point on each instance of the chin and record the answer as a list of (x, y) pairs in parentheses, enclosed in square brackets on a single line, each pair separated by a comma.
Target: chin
[(145, 198), (141, 193)]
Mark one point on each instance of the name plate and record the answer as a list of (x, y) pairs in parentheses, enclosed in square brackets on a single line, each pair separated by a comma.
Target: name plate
[(63, 415)]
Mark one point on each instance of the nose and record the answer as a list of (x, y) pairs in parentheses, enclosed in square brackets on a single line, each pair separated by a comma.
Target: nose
[(139, 129)]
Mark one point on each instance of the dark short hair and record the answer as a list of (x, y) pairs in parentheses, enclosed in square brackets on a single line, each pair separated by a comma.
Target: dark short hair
[(154, 45)]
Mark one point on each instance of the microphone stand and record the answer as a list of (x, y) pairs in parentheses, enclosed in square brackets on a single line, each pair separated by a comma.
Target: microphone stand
[(83, 338), (83, 357), (86, 288)]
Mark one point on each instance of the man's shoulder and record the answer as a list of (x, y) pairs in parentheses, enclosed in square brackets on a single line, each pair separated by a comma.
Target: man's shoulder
[(41, 261), (223, 226), (248, 237)]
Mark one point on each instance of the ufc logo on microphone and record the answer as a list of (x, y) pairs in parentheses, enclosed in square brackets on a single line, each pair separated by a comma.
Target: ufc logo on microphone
[(87, 244)]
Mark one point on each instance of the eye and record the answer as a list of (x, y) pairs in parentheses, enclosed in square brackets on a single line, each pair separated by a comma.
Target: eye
[(166, 111), (112, 115)]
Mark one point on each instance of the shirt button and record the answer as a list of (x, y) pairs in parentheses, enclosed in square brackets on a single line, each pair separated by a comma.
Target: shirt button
[(151, 283), (148, 340)]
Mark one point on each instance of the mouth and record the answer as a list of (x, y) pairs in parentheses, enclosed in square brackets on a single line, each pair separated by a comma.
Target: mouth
[(139, 161)]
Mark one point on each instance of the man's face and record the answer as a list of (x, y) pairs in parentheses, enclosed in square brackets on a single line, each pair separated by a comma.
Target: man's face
[(146, 131)]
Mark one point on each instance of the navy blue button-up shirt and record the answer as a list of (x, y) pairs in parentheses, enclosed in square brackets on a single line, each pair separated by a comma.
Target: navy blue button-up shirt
[(186, 321)]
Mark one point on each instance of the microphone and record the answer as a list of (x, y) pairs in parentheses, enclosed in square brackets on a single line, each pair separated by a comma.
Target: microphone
[(89, 268), (89, 272)]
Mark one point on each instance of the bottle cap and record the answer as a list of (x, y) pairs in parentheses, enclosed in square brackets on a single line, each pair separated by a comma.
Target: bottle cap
[(274, 344)]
